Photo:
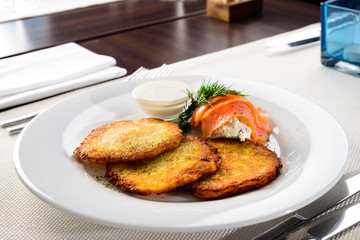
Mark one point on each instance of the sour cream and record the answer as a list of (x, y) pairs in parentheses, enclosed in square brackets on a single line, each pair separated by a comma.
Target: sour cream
[(164, 99)]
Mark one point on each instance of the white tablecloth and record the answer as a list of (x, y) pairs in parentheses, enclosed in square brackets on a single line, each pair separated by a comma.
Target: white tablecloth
[(24, 216)]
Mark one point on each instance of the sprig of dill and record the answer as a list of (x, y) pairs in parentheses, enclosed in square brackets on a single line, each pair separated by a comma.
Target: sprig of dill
[(204, 95)]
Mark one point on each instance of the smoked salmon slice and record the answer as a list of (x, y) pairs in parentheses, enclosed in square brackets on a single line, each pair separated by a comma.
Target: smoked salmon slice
[(224, 109), (204, 108)]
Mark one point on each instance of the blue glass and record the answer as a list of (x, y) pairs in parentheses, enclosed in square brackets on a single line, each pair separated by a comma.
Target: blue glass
[(340, 35)]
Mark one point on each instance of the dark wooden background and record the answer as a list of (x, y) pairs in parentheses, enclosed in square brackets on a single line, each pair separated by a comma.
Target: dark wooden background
[(152, 32)]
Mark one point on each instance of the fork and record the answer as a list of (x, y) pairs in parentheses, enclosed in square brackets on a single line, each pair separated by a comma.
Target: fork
[(163, 71), (12, 126), (140, 73)]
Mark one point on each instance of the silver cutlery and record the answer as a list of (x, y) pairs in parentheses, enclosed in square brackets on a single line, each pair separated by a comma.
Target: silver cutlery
[(140, 73), (16, 129), (335, 225), (303, 41), (163, 71), (293, 45), (15, 125), (340, 192), (18, 120), (299, 40)]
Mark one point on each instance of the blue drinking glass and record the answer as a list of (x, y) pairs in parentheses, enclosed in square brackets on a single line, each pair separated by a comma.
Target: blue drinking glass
[(340, 35)]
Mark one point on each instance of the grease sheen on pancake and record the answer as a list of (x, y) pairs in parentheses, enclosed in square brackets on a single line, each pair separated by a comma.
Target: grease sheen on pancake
[(126, 141), (168, 171), (245, 165)]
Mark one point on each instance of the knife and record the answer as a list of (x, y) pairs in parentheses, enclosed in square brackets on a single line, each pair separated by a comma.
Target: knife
[(336, 224), (337, 194), (303, 41), (298, 40), (293, 45)]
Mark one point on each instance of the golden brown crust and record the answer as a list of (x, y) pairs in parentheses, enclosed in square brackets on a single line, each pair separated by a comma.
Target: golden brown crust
[(126, 141), (245, 165), (179, 167)]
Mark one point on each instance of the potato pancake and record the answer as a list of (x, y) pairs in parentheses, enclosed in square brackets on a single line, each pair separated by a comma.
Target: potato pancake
[(126, 141), (245, 165), (181, 166)]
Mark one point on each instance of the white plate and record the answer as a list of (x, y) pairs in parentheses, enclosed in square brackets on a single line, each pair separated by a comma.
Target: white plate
[(311, 143)]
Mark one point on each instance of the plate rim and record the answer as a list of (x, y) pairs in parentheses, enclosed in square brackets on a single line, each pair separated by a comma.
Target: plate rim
[(185, 228)]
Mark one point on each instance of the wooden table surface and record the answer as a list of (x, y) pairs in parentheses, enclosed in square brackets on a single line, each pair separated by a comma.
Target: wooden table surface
[(152, 32)]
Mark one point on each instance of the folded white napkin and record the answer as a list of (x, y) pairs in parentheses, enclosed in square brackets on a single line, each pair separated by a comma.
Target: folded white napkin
[(51, 71)]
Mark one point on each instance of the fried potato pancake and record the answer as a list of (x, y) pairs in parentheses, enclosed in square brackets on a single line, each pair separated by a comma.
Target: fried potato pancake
[(126, 141), (164, 173), (245, 165)]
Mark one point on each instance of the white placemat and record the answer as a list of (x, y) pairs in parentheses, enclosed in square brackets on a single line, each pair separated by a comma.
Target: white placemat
[(19, 9), (23, 216)]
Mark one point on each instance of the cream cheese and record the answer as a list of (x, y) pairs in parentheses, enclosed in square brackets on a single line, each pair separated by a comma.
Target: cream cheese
[(233, 129)]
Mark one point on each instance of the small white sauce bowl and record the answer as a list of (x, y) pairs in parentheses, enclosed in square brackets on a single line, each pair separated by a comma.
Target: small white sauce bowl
[(164, 99)]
